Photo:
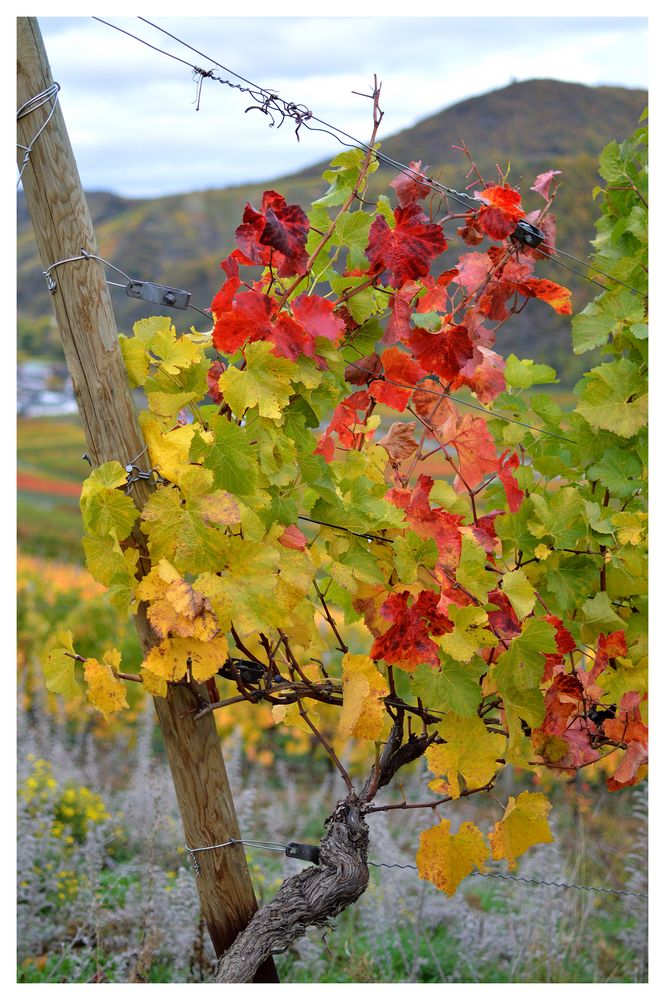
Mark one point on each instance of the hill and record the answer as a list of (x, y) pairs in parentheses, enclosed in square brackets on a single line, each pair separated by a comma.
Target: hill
[(529, 126)]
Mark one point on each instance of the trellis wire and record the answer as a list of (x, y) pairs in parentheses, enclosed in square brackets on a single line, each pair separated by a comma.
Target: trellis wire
[(85, 255), (270, 846), (270, 103)]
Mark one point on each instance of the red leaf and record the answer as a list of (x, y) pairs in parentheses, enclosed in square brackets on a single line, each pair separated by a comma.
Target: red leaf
[(408, 188), (407, 642), (628, 727), (217, 368), (246, 321), (471, 232), (317, 317), (611, 645), (290, 338), (279, 226), (630, 770), (293, 538), (503, 621), (344, 417), (399, 327), (501, 211), (362, 372), (542, 183), (475, 450), (398, 367), (434, 407), (408, 250), (435, 298), (514, 494), (444, 353), (557, 296), (472, 270), (437, 524), (222, 302), (485, 379), (484, 533)]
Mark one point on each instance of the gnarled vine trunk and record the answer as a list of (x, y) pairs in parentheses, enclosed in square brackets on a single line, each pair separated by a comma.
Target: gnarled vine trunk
[(308, 898)]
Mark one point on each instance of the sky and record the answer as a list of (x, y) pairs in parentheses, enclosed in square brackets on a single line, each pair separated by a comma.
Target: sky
[(135, 130)]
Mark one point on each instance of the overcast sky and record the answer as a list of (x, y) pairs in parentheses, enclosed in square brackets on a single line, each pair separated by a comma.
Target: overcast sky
[(131, 112)]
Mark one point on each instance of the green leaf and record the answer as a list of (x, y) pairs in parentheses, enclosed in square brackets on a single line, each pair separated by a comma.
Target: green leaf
[(453, 688), (560, 515), (471, 572), (230, 456), (605, 317), (523, 662), (618, 470), (266, 382), (352, 231), (521, 594), (571, 580), (59, 668), (108, 511), (412, 551), (522, 374), (468, 636), (613, 398), (598, 616)]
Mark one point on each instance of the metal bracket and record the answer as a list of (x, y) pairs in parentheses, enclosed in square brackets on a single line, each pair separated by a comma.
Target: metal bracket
[(163, 295), (527, 235), (304, 852)]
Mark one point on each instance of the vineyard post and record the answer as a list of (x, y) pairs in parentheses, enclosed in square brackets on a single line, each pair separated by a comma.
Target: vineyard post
[(63, 227)]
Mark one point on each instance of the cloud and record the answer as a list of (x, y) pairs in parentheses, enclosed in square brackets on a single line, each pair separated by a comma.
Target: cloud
[(130, 110)]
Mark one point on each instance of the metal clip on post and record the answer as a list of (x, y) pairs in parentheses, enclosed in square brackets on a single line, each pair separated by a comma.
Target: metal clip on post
[(163, 295)]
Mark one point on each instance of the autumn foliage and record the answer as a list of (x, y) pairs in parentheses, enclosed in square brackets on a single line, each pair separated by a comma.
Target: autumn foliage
[(349, 446)]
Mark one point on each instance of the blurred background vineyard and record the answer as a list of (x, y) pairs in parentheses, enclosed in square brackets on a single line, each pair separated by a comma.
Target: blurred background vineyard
[(106, 891)]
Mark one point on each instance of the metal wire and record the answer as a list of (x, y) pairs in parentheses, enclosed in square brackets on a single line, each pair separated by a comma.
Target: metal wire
[(270, 846), (32, 104), (270, 102), (86, 255)]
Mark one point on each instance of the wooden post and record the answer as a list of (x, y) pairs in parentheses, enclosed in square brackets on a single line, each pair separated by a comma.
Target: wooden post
[(63, 227)]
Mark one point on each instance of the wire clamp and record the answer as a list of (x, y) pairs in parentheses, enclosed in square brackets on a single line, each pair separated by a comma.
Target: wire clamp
[(163, 295), (304, 852), (527, 234)]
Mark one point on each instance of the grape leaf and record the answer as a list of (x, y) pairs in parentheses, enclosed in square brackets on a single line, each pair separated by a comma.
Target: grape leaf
[(470, 753), (524, 823), (468, 635), (452, 688), (446, 859), (59, 667), (363, 689), (408, 250), (105, 691), (264, 383)]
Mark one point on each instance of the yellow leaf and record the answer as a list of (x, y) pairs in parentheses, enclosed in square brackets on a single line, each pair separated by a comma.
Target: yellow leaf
[(290, 716), (175, 607), (470, 752), (542, 552), (105, 691), (446, 860), (170, 659), (524, 824), (153, 684), (169, 453), (363, 689), (59, 667)]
